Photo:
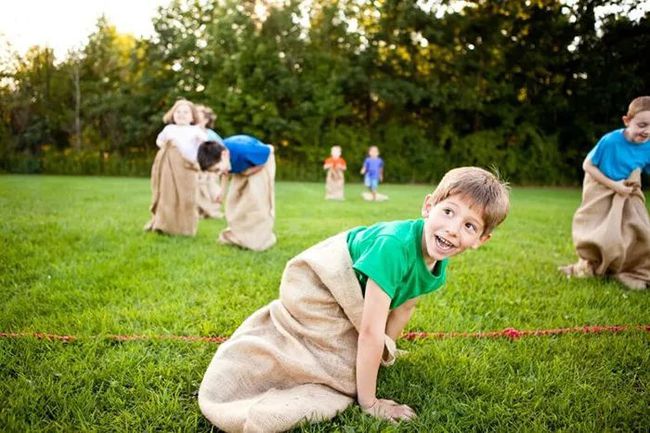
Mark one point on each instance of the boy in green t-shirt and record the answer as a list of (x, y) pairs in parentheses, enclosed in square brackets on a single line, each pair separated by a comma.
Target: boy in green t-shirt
[(343, 303)]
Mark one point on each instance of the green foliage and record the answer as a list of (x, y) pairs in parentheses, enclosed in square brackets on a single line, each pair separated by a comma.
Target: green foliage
[(75, 261), (528, 86)]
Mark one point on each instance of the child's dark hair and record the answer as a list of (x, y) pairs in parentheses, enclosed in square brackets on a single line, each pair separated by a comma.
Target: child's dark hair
[(209, 154)]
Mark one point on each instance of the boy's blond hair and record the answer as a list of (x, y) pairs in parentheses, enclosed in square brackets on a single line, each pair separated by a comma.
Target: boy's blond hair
[(169, 116), (482, 188), (208, 114), (642, 103)]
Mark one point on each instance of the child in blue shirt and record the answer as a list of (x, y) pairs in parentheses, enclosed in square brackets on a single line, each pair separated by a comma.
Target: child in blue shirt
[(611, 229), (373, 171), (250, 202)]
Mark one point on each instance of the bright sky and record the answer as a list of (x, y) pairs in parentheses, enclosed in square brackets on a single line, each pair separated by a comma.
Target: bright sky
[(65, 24)]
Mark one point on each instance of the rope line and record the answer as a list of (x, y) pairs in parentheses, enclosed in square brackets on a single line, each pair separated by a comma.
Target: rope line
[(509, 333)]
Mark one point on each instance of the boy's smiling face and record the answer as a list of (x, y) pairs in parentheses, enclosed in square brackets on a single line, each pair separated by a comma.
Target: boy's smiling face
[(450, 227), (637, 127)]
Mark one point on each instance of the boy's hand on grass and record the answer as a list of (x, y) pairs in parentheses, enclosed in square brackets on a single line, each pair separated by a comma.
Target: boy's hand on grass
[(389, 410)]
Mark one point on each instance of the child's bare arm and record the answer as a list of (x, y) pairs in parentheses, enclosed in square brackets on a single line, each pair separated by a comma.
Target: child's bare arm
[(370, 348), (222, 190), (598, 175), (252, 170), (399, 317)]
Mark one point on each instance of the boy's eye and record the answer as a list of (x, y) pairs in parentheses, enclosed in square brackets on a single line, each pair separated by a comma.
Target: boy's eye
[(471, 227), (447, 211)]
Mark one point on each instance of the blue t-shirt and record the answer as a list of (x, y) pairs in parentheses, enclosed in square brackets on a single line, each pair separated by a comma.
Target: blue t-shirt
[(373, 167), (245, 152), (617, 157), (213, 136)]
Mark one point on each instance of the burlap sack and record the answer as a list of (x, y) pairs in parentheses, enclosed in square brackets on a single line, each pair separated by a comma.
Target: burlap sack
[(611, 234), (173, 198), (209, 188), (250, 209), (294, 359), (335, 185)]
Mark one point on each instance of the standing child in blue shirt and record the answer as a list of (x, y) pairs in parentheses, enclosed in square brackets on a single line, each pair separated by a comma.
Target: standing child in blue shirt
[(373, 171), (611, 229), (342, 304)]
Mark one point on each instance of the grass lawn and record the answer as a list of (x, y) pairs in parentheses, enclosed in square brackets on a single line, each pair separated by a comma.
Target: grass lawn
[(74, 260)]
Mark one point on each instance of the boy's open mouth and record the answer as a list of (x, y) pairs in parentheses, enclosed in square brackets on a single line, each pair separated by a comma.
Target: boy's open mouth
[(443, 243)]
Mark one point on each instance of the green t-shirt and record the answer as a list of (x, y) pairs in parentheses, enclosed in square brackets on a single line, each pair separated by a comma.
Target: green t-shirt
[(391, 254)]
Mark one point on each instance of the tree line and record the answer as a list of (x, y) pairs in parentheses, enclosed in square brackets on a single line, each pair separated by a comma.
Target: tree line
[(526, 86)]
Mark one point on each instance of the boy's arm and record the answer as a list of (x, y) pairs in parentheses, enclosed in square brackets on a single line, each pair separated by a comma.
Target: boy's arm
[(369, 351), (252, 170), (399, 317), (224, 185), (617, 186), (381, 174)]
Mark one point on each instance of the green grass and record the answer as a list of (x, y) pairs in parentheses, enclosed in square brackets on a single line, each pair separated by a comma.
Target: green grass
[(74, 260)]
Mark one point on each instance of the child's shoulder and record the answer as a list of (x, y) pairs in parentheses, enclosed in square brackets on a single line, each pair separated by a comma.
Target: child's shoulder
[(614, 136), (392, 231)]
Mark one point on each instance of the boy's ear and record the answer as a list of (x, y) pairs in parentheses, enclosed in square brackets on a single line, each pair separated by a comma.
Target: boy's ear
[(483, 239), (626, 120), (427, 205)]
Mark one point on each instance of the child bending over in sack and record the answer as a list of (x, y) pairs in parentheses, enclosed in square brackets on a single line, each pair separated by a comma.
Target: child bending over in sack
[(174, 172), (611, 229), (250, 203), (342, 304)]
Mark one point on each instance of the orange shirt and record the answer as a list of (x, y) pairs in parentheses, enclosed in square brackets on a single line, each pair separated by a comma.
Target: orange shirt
[(336, 163)]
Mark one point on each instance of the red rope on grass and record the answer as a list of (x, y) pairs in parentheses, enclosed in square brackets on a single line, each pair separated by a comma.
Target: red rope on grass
[(514, 334), (509, 333)]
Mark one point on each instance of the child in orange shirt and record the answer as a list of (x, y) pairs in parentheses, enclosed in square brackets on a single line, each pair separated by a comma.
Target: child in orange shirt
[(335, 181)]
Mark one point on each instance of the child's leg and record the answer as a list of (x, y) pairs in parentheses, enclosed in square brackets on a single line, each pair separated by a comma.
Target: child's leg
[(374, 183)]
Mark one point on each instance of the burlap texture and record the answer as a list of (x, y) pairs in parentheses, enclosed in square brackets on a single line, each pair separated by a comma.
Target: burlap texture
[(173, 193), (335, 184), (293, 359), (209, 188), (250, 209), (611, 233)]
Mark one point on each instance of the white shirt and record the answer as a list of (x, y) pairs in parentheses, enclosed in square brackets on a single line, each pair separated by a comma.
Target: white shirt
[(186, 138)]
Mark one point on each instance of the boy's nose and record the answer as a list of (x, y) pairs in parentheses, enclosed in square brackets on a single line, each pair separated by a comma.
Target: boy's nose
[(452, 231)]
